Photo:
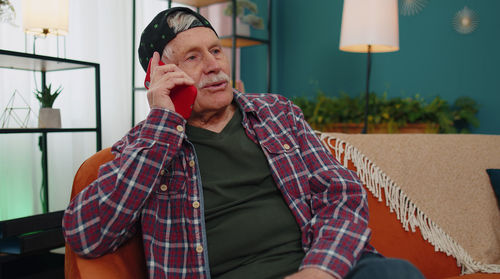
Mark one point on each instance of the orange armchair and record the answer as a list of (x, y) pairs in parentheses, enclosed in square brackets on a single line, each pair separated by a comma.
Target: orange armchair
[(126, 262)]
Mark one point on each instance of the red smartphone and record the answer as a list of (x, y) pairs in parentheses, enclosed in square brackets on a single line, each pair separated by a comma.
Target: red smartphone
[(182, 96)]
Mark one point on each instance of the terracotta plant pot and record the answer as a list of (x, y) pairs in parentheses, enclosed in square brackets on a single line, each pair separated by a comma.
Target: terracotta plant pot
[(356, 128), (49, 118)]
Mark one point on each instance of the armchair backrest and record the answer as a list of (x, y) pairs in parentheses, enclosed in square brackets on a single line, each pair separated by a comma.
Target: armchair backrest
[(126, 262)]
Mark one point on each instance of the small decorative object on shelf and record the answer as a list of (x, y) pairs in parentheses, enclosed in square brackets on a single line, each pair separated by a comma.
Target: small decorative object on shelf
[(48, 117), (465, 21), (7, 12), (412, 7), (249, 18), (16, 110)]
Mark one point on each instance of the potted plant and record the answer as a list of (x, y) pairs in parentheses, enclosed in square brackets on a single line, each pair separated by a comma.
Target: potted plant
[(48, 117), (345, 114), (246, 12), (465, 110)]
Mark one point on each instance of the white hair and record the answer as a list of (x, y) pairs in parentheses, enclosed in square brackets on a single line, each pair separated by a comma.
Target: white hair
[(179, 22)]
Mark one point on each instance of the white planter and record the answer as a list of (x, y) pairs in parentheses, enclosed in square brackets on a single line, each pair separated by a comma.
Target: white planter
[(49, 118), (242, 29)]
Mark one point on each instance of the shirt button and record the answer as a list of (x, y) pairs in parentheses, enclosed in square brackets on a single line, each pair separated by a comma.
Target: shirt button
[(191, 163), (196, 204), (286, 146), (180, 128), (162, 172), (199, 249), (163, 187)]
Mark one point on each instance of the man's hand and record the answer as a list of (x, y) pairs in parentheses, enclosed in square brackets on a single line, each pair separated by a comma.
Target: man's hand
[(310, 273), (163, 79)]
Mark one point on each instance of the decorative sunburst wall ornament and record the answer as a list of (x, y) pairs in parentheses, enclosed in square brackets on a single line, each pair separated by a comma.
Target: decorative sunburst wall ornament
[(411, 7), (465, 21)]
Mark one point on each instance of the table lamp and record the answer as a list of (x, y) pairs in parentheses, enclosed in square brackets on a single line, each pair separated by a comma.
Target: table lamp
[(45, 17)]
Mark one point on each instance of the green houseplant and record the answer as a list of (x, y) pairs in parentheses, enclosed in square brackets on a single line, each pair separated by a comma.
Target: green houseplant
[(48, 117), (388, 115)]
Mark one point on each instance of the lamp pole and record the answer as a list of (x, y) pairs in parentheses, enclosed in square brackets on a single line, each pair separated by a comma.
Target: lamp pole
[(367, 93), (369, 26)]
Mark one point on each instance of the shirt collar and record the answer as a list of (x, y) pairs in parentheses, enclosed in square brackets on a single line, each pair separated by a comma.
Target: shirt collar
[(245, 105)]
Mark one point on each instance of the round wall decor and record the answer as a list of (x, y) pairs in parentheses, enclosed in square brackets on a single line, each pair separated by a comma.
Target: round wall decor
[(465, 21)]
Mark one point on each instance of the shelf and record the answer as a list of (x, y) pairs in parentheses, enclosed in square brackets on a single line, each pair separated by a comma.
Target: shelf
[(32, 223), (241, 41), (33, 62), (199, 3), (34, 242), (44, 130), (35, 233), (35, 265), (40, 233)]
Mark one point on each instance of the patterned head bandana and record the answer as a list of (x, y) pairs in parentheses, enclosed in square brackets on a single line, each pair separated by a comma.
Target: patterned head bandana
[(158, 34)]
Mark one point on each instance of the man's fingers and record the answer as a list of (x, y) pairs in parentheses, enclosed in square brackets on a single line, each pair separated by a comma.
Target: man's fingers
[(159, 95), (155, 60), (160, 73), (163, 79), (169, 83), (162, 70), (171, 79)]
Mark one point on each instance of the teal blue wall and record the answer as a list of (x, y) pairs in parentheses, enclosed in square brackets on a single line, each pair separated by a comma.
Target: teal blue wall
[(433, 59)]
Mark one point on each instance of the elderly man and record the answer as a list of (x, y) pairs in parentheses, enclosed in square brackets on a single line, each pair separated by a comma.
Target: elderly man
[(241, 189)]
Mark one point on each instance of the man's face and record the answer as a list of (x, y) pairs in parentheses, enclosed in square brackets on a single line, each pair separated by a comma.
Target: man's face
[(198, 52)]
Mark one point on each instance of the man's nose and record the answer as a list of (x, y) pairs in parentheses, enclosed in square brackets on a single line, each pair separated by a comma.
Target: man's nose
[(212, 65)]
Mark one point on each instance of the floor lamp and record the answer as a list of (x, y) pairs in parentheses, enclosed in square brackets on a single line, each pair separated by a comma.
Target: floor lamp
[(369, 26)]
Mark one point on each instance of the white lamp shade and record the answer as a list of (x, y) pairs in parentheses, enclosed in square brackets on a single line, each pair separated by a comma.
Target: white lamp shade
[(369, 22), (45, 17)]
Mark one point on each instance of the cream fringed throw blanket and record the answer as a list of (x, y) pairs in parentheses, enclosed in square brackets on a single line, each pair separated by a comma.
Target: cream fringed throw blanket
[(437, 183)]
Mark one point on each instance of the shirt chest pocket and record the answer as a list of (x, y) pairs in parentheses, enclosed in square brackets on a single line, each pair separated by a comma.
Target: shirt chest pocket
[(172, 182), (280, 146), (170, 195), (285, 158), (284, 154)]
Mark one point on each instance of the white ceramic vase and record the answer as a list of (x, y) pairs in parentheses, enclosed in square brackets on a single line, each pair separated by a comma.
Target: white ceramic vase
[(49, 118), (223, 23)]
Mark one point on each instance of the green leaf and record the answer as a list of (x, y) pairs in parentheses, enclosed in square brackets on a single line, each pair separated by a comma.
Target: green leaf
[(323, 110), (45, 95)]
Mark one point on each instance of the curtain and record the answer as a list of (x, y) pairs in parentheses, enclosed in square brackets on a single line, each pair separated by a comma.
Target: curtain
[(99, 32)]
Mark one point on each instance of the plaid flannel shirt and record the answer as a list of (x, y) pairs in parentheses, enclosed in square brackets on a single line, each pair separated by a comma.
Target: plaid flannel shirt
[(154, 183)]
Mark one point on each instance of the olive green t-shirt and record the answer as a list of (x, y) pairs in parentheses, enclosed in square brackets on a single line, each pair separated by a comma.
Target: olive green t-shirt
[(251, 232)]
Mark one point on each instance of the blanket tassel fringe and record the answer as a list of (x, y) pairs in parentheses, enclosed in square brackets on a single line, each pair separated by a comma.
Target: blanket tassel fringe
[(406, 211)]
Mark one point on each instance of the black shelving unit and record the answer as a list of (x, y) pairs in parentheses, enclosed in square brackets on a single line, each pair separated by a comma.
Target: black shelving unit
[(25, 245), (232, 41), (43, 64)]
